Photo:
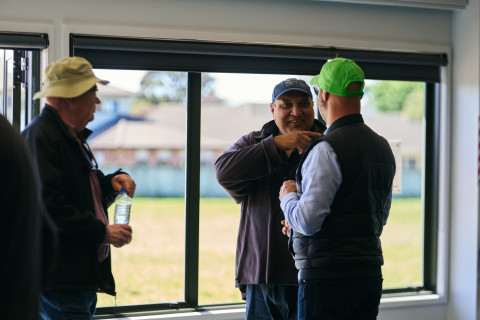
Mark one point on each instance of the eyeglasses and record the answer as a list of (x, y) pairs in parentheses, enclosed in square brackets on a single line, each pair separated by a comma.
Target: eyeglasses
[(94, 90), (316, 89)]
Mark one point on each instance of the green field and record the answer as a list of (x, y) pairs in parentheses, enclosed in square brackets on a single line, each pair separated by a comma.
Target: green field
[(151, 268)]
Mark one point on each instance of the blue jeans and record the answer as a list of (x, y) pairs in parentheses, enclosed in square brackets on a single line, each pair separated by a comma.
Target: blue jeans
[(271, 302), (355, 299), (67, 304)]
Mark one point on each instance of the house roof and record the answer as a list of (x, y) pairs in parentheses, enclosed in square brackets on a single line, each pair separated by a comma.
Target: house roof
[(164, 127), (111, 91)]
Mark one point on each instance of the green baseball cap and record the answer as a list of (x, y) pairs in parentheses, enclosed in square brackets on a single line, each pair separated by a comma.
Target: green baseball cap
[(337, 74)]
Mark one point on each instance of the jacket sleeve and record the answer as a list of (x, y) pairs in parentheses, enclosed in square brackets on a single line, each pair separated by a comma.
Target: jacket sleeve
[(246, 162)]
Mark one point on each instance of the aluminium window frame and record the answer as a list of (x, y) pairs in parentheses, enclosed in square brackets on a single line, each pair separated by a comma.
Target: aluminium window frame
[(27, 49), (195, 57)]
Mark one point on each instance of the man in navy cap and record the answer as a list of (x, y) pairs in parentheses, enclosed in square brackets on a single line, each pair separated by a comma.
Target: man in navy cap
[(252, 171)]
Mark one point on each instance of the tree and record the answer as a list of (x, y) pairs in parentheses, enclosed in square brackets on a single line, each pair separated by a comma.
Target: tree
[(166, 86), (414, 103), (402, 96)]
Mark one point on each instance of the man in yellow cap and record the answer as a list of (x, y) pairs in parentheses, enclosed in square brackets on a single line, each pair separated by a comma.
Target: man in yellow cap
[(339, 204), (76, 193)]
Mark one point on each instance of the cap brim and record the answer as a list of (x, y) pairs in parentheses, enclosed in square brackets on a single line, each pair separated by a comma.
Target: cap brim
[(308, 93), (315, 80)]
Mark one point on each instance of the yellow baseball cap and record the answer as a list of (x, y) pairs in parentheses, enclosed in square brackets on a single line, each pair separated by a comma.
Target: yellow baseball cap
[(68, 78)]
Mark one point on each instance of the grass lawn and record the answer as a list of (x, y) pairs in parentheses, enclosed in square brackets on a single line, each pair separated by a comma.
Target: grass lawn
[(402, 240), (151, 268)]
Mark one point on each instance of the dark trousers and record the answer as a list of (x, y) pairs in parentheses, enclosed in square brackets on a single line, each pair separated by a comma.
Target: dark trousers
[(271, 302), (354, 299)]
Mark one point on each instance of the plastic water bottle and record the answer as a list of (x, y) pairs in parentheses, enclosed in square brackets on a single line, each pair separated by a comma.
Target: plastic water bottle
[(123, 204)]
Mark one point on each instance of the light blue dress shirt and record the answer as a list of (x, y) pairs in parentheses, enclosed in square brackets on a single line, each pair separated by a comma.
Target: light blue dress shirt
[(306, 209)]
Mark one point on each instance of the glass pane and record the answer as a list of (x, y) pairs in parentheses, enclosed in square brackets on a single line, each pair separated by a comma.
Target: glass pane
[(26, 96), (140, 127), (395, 110), (233, 112), (15, 107), (232, 106), (6, 59)]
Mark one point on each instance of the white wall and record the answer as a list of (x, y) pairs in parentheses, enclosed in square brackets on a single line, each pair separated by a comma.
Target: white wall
[(292, 21), (324, 24), (463, 292)]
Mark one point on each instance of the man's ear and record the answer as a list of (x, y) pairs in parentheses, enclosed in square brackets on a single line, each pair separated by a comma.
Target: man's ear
[(68, 102), (325, 95), (272, 107)]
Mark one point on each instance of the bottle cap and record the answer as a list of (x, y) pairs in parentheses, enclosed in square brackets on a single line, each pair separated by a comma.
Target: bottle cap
[(124, 190)]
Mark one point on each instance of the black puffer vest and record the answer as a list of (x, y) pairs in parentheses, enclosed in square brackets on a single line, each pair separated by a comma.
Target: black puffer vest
[(348, 244)]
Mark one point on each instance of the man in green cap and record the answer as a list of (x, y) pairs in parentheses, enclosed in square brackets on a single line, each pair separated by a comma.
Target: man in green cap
[(76, 193), (338, 206)]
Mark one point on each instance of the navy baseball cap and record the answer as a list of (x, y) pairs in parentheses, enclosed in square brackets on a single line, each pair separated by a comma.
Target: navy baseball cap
[(291, 84)]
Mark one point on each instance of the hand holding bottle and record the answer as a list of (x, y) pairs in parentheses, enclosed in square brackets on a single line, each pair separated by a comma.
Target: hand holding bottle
[(118, 235), (124, 181)]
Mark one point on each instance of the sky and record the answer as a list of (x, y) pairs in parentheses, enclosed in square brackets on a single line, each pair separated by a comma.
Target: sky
[(237, 88), (240, 88)]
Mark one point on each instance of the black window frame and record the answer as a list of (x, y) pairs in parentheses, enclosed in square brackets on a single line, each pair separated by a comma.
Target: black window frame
[(195, 57), (27, 49)]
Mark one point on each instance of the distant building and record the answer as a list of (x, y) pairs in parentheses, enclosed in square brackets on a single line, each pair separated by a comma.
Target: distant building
[(151, 144), (158, 137), (115, 104)]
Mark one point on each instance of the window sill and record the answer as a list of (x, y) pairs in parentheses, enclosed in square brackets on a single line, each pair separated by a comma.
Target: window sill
[(417, 299), (220, 314), (387, 302)]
